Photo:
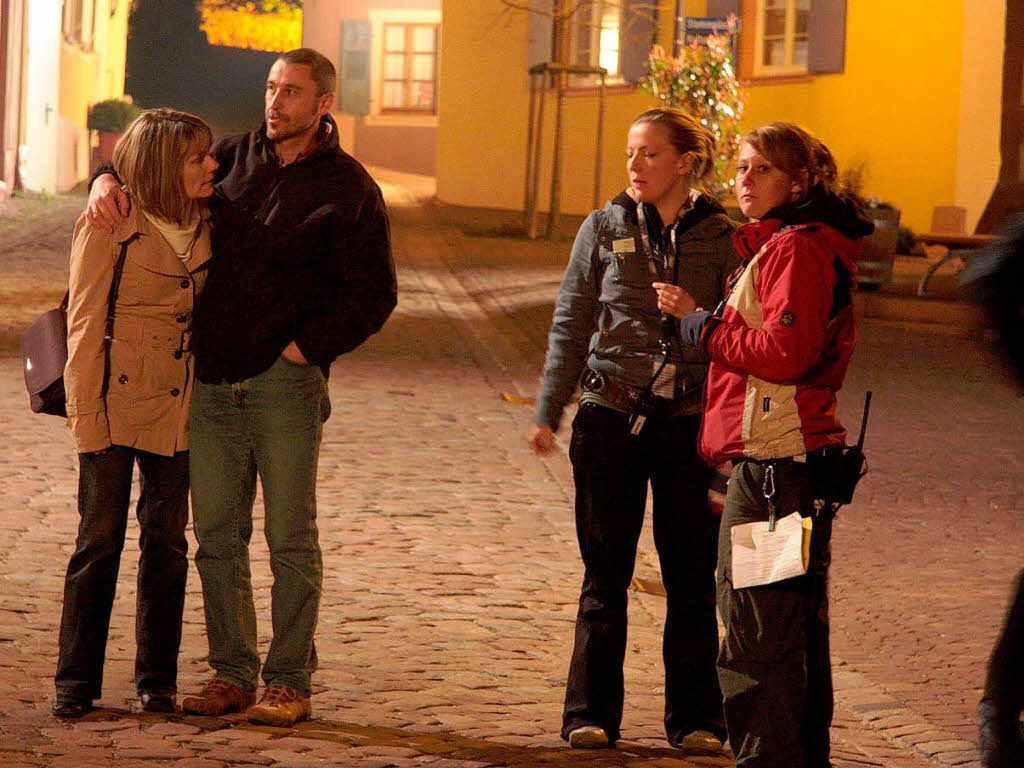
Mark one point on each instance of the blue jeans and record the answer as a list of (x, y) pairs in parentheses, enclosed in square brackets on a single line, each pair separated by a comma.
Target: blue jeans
[(269, 425)]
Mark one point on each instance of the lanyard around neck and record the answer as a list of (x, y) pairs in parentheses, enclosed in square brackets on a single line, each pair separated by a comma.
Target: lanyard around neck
[(669, 257)]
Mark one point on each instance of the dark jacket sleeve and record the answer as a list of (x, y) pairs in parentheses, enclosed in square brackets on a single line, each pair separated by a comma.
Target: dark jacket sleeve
[(105, 167), (364, 291)]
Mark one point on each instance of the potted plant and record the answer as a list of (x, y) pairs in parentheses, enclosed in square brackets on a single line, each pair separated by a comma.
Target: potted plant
[(109, 118), (703, 81), (874, 267)]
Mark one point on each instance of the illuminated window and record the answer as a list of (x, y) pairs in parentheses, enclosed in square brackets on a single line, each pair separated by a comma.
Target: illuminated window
[(595, 39), (409, 69), (79, 21), (781, 43)]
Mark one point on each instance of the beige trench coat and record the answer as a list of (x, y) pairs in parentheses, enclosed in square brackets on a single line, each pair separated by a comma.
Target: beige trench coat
[(143, 401)]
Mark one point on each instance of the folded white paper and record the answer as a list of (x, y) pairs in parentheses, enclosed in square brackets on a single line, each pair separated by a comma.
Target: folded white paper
[(760, 556)]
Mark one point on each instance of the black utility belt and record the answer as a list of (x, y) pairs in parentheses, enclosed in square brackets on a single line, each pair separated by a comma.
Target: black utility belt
[(834, 471), (811, 457), (635, 401)]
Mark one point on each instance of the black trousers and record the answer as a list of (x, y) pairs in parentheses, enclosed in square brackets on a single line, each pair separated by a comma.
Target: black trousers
[(104, 490), (1004, 684), (612, 469), (1001, 736), (774, 665)]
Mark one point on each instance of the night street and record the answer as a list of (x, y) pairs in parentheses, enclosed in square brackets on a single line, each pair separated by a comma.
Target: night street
[(452, 571)]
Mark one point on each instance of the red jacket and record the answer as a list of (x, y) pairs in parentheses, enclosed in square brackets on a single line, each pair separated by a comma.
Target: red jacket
[(780, 352)]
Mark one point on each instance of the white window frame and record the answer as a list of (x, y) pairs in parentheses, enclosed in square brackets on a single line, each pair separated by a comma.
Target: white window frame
[(378, 18), (595, 9), (85, 35), (408, 55), (789, 68)]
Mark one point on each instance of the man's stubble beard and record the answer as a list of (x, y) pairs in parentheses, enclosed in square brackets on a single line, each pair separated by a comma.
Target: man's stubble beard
[(284, 133)]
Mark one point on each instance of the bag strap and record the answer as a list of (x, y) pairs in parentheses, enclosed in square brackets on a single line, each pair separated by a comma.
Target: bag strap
[(115, 285)]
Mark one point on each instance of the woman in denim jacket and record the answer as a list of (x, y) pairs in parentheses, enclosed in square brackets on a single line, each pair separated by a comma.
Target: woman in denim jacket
[(637, 423)]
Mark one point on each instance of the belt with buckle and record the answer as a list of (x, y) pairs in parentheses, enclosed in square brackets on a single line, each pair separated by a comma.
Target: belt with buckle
[(800, 458), (627, 399), (616, 395)]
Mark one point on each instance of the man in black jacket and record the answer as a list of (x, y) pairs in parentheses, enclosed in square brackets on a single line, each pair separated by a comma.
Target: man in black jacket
[(302, 273)]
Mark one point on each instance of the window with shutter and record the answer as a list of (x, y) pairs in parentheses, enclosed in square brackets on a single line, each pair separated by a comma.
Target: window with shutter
[(354, 75), (782, 38), (614, 34), (595, 33), (782, 35)]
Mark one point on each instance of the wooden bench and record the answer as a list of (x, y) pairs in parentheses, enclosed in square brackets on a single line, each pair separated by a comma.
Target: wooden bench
[(959, 246)]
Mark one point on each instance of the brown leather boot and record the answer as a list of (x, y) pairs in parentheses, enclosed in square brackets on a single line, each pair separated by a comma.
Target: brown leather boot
[(280, 706), (218, 697)]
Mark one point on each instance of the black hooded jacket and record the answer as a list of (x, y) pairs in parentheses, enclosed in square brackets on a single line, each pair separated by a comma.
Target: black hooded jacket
[(302, 253)]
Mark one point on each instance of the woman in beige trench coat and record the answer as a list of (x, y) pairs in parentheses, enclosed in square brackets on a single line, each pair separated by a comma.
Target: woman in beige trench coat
[(127, 401)]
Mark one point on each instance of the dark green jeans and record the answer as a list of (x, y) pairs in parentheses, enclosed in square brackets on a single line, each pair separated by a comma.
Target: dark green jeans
[(270, 426), (774, 664)]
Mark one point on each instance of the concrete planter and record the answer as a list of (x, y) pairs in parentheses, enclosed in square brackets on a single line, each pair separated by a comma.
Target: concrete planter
[(104, 152), (874, 267)]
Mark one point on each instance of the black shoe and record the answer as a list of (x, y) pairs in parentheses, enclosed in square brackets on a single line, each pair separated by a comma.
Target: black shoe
[(67, 705), (158, 701)]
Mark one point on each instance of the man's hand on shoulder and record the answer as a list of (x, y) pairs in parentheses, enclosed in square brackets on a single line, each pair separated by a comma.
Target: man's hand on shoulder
[(108, 204), (293, 353)]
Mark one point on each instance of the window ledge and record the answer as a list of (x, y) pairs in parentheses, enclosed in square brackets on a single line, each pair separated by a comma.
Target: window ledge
[(401, 121), (777, 79), (594, 90)]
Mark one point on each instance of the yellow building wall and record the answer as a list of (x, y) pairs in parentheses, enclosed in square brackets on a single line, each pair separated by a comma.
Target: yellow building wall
[(978, 156), (88, 75), (483, 107), (918, 105), (896, 107)]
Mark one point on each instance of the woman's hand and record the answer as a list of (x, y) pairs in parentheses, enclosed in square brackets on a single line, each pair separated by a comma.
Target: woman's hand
[(541, 438), (108, 204), (673, 300)]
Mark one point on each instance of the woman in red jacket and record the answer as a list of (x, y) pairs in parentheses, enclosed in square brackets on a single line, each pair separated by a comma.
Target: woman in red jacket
[(779, 345)]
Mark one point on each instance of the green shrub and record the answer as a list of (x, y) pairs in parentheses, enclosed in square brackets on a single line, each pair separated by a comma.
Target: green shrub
[(112, 115)]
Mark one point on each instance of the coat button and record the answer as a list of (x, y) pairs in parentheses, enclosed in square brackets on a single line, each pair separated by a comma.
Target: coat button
[(177, 354), (185, 283), (175, 392), (123, 378), (181, 318)]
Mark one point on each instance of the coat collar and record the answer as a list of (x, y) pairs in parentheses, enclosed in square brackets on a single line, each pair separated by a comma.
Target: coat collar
[(156, 254)]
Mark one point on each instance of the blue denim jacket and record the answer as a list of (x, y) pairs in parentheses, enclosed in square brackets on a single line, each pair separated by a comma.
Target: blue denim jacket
[(606, 314)]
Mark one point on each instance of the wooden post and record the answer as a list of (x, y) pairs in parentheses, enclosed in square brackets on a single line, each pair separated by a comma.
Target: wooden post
[(538, 142), (530, 157), (556, 161), (598, 145)]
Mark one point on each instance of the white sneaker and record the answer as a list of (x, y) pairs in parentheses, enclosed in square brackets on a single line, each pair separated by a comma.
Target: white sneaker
[(588, 737)]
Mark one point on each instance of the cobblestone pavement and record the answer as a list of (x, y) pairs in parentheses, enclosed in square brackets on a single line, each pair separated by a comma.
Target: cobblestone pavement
[(451, 569)]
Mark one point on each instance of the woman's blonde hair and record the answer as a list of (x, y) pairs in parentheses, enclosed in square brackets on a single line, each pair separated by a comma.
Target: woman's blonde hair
[(794, 151), (150, 156), (686, 135)]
